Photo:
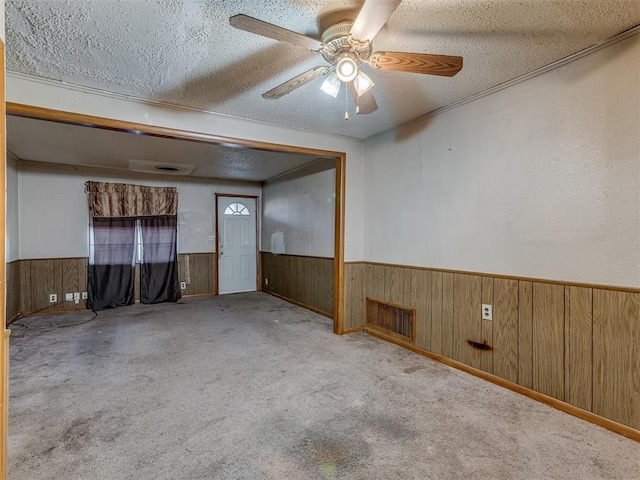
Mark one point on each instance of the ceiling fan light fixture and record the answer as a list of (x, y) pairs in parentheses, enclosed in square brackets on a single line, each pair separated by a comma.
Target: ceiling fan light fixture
[(346, 69), (363, 83), (331, 85)]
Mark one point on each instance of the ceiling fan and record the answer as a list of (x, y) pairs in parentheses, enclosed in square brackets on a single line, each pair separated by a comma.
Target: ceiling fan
[(346, 45)]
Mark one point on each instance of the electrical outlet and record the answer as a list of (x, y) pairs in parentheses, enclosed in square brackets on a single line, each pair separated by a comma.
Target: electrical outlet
[(183, 285), (212, 238), (84, 296), (266, 281), (487, 312), (53, 298), (76, 297), (68, 297)]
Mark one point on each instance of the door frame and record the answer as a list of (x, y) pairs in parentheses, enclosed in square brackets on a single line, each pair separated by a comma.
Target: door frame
[(42, 113), (4, 331), (257, 253)]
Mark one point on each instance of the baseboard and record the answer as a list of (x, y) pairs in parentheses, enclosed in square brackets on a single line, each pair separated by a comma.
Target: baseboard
[(4, 403), (197, 295), (540, 397), (348, 331), (13, 319), (300, 304)]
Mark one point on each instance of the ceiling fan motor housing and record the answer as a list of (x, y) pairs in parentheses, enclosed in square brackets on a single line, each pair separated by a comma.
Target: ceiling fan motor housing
[(338, 43)]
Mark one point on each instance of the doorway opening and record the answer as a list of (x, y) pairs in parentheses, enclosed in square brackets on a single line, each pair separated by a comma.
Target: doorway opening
[(145, 130)]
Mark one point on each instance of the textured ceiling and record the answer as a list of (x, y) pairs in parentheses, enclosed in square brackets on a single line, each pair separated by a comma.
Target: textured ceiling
[(45, 141), (185, 52)]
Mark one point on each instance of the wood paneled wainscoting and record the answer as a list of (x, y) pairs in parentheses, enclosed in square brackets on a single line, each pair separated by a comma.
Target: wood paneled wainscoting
[(13, 290), (573, 346), (29, 282), (303, 280), (198, 270)]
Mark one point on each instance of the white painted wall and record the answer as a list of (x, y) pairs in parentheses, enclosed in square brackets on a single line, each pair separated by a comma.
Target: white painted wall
[(298, 214), (54, 214), (541, 179), (12, 243), (42, 93)]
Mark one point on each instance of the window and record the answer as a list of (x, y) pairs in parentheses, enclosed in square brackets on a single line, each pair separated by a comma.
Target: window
[(137, 240), (236, 209)]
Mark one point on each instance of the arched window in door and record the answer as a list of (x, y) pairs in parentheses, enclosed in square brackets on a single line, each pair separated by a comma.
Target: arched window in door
[(236, 209)]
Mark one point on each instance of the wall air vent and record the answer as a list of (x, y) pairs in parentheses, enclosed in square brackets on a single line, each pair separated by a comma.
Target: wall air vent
[(147, 166), (390, 319)]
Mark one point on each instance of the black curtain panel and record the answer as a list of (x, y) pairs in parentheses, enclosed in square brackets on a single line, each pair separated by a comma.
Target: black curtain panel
[(159, 280), (112, 263)]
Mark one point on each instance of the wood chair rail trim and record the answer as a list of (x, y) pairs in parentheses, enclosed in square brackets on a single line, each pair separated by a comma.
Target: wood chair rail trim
[(504, 277)]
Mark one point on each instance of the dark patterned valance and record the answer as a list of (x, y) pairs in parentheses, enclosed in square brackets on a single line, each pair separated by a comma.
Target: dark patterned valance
[(125, 200)]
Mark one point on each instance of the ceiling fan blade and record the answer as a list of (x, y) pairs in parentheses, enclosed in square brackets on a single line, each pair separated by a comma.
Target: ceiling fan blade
[(366, 102), (373, 15), (296, 82), (443, 65), (265, 29)]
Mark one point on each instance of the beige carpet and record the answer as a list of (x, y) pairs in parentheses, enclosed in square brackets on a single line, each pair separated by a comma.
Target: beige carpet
[(250, 387)]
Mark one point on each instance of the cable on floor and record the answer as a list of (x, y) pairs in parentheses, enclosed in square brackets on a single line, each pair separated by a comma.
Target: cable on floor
[(26, 327), (95, 314)]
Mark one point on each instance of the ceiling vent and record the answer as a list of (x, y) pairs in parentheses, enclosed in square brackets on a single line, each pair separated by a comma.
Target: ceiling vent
[(147, 166)]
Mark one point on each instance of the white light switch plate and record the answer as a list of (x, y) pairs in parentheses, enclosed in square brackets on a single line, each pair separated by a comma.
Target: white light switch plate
[(487, 312)]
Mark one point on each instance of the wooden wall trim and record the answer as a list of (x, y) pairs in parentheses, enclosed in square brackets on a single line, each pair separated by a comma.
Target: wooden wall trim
[(507, 277), (338, 250), (4, 407), (348, 331), (296, 255), (4, 343), (30, 111), (300, 304), (354, 303), (540, 397), (49, 258), (13, 290)]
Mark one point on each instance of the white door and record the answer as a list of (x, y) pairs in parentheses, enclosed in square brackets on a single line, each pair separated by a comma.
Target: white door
[(236, 244)]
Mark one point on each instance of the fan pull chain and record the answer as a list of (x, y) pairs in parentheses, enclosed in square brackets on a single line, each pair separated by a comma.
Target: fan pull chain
[(346, 111)]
